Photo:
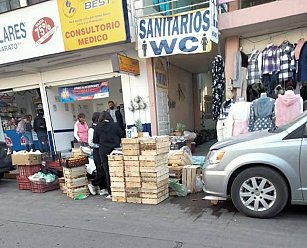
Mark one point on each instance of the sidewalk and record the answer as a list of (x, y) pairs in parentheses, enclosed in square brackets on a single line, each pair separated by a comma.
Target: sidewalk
[(203, 149)]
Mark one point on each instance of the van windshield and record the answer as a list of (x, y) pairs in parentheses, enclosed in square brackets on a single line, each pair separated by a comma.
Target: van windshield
[(286, 126)]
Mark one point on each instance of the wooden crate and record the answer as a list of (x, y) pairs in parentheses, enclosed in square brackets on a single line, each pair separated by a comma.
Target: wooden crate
[(156, 195), (119, 173), (129, 173), (175, 171), (116, 163), (118, 189), (133, 185), (155, 191), (132, 180), (154, 185), (119, 199), (179, 158), (115, 157), (117, 179), (157, 174), (76, 182), (153, 179), (131, 158), (72, 193), (70, 173), (189, 174), (160, 168), (131, 147), (134, 200), (116, 169), (118, 194), (118, 184), (155, 201), (154, 158)]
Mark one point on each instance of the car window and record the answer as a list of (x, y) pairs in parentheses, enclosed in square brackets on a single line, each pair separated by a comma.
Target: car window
[(305, 131), (286, 126)]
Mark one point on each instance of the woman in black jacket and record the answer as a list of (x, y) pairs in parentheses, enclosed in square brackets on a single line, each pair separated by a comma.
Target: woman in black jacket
[(108, 135)]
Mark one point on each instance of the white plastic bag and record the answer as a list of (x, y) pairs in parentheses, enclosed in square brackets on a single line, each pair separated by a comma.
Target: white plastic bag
[(199, 184)]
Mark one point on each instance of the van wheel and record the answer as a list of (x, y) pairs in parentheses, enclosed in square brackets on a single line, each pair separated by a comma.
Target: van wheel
[(259, 192)]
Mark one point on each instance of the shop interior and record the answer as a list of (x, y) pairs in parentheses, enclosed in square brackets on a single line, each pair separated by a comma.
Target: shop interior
[(64, 115), (14, 106)]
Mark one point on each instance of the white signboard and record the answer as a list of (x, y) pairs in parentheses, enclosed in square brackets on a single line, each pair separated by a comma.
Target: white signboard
[(214, 21), (35, 32), (179, 34)]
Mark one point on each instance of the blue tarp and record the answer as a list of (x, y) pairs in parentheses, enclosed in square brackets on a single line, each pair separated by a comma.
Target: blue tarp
[(199, 160)]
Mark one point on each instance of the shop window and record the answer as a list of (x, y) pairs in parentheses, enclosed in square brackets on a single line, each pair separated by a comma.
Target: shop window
[(251, 3), (7, 5), (31, 2)]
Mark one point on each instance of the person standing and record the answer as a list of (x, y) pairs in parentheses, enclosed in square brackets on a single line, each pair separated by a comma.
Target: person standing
[(108, 135), (116, 114), (28, 133), (100, 178), (81, 130), (40, 128)]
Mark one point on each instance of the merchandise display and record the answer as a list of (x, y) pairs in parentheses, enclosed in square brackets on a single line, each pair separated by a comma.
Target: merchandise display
[(218, 85), (221, 128)]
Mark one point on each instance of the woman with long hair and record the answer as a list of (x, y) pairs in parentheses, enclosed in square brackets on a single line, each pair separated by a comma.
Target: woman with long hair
[(108, 135)]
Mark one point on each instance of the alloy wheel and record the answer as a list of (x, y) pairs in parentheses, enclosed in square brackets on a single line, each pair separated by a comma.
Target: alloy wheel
[(258, 194)]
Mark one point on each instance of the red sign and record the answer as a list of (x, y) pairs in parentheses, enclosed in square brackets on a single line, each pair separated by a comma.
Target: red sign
[(43, 30)]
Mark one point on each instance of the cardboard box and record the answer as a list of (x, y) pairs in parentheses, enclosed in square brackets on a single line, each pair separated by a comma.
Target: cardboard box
[(26, 159)]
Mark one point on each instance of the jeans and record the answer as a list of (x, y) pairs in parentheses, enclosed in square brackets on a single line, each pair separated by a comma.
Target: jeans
[(100, 179), (28, 137), (270, 81), (43, 141)]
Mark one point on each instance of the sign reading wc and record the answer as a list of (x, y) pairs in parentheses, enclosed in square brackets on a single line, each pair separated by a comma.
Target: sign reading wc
[(179, 34)]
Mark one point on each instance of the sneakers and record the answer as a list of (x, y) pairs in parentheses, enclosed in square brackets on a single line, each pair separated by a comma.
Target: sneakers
[(103, 192), (109, 197), (91, 189)]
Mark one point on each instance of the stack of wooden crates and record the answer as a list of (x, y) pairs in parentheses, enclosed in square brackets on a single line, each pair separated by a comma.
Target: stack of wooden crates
[(145, 171), (75, 181)]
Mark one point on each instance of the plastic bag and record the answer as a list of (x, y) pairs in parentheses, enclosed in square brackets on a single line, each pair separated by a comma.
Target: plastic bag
[(189, 135), (180, 189), (199, 184)]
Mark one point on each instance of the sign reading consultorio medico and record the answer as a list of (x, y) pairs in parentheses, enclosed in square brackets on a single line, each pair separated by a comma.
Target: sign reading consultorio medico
[(57, 26), (87, 23)]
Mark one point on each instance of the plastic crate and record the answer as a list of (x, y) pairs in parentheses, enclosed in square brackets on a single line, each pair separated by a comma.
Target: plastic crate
[(28, 170), (39, 187), (23, 183), (54, 165)]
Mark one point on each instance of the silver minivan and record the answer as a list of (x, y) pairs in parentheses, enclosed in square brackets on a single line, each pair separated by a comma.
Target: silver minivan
[(261, 171)]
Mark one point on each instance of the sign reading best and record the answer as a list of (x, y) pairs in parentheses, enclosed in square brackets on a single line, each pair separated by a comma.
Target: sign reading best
[(91, 23)]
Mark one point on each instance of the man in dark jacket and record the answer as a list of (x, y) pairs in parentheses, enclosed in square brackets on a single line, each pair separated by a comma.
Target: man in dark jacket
[(116, 114), (108, 135), (41, 131)]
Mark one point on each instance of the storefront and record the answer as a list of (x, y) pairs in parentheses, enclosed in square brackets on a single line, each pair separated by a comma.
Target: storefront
[(182, 50)]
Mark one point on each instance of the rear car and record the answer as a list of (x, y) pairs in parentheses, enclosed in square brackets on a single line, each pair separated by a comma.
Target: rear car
[(5, 159), (261, 171)]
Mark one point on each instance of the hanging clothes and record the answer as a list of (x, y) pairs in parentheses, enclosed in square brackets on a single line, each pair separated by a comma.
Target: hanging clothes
[(302, 64), (287, 62), (262, 114), (241, 62), (298, 48), (254, 67), (237, 122), (221, 127), (218, 85), (254, 91), (288, 107), (271, 59)]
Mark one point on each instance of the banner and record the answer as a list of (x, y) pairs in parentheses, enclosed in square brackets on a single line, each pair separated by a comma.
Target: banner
[(88, 23), (84, 92), (179, 34), (214, 21), (30, 32)]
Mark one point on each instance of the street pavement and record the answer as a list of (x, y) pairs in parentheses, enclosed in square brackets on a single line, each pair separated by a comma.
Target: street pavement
[(48, 220)]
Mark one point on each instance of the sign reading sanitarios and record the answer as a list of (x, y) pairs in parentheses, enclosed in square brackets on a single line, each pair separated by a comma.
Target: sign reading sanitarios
[(179, 34)]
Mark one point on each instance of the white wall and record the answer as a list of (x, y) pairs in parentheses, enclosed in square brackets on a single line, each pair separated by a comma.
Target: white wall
[(136, 86), (183, 112)]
